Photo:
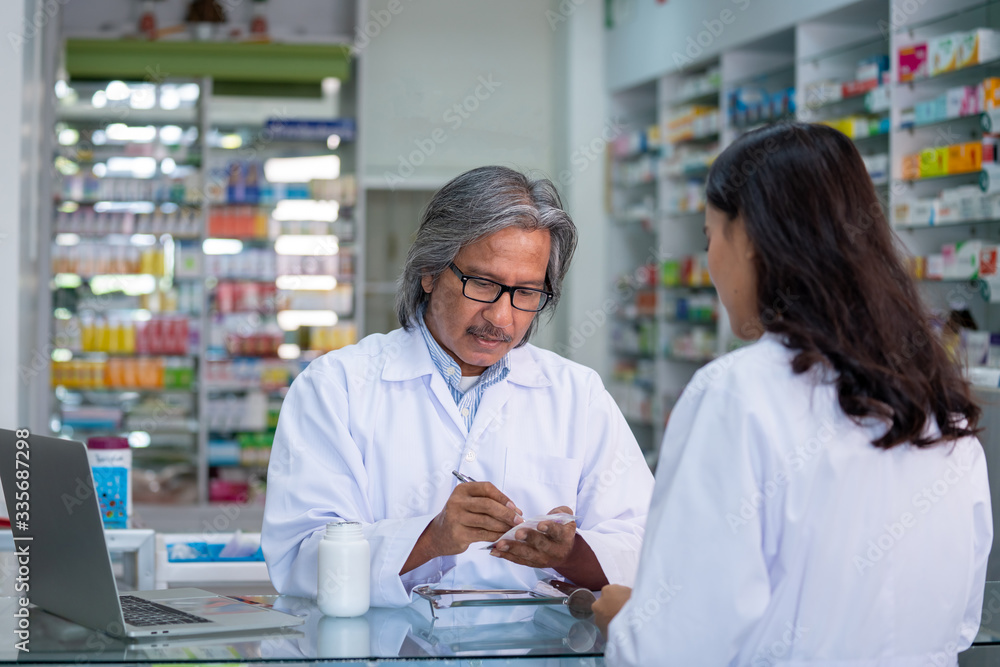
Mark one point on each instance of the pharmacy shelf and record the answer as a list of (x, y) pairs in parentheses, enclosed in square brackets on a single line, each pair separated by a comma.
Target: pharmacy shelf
[(72, 215), (958, 77)]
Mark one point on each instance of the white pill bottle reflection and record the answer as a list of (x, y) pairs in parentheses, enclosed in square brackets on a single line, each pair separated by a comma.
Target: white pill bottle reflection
[(344, 570)]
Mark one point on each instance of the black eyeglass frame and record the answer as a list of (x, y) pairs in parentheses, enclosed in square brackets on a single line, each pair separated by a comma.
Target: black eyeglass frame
[(465, 278)]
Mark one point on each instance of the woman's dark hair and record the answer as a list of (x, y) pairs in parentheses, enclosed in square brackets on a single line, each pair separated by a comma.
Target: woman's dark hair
[(832, 283)]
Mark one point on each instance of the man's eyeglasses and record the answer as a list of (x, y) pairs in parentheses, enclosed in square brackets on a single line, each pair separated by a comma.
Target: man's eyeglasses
[(485, 290)]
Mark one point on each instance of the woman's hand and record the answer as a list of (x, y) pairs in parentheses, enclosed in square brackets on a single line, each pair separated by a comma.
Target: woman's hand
[(613, 598)]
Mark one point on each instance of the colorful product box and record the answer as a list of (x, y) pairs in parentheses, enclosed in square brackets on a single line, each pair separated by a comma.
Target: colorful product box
[(961, 101), (922, 212), (872, 68), (945, 212), (967, 259), (912, 62), (911, 166), (988, 260), (977, 46), (901, 213), (854, 88), (933, 162), (990, 94), (942, 53), (963, 158), (935, 267)]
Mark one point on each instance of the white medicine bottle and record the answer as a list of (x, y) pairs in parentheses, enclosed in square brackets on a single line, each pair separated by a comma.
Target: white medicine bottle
[(344, 570)]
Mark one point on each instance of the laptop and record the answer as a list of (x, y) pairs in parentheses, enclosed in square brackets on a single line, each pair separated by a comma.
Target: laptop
[(69, 566)]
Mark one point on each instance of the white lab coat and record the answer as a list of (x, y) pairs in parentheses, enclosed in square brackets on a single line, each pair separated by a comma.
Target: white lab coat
[(371, 433), (778, 535)]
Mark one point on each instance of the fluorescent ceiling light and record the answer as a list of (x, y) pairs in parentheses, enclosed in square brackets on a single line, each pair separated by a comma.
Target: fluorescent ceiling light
[(189, 92), (330, 85), (289, 351), (221, 246), (306, 244), (117, 91), (137, 134), (136, 167), (130, 284), (67, 239), (67, 167), (170, 99), (306, 210), (142, 239), (171, 134), (124, 207), (301, 169), (290, 320), (313, 283), (143, 96), (67, 280), (68, 137)]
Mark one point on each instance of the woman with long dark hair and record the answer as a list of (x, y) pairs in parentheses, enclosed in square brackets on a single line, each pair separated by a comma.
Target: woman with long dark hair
[(821, 494)]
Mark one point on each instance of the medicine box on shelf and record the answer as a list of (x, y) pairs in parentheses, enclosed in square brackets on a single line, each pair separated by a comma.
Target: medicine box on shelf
[(205, 563)]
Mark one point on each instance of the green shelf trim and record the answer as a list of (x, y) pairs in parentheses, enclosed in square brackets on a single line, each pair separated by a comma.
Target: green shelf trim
[(259, 63)]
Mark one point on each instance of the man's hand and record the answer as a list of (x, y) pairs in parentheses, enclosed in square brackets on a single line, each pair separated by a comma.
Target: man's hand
[(549, 546), (613, 598), (475, 512)]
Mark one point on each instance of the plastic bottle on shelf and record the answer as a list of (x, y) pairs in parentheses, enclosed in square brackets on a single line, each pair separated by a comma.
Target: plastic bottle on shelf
[(113, 373), (146, 261), (86, 334), (115, 336), (128, 339), (130, 373), (102, 336)]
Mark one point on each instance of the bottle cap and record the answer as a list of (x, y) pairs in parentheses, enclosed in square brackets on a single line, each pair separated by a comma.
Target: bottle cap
[(343, 529), (107, 442)]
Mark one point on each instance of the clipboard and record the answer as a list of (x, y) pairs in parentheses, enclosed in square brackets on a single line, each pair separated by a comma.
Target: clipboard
[(578, 600)]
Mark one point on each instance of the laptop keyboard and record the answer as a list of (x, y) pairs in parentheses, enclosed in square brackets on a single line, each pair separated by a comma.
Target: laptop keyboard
[(138, 611)]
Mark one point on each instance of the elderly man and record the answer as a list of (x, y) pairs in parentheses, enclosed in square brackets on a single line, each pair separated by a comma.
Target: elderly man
[(371, 433)]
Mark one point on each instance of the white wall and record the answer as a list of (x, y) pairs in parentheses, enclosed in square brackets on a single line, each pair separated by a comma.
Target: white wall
[(451, 85), (650, 39), (288, 20), (583, 335), (21, 62), (494, 61)]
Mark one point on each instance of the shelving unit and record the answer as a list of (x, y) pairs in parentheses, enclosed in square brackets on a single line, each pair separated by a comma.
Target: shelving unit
[(127, 162), (812, 72), (687, 308), (944, 212), (191, 279), (634, 212)]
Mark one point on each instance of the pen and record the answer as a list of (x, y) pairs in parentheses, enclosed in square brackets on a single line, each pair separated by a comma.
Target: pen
[(510, 504)]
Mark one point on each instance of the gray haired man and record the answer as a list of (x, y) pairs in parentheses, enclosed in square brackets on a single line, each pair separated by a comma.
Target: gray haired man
[(379, 431)]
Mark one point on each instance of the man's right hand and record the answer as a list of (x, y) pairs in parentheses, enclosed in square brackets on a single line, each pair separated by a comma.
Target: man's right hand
[(475, 512)]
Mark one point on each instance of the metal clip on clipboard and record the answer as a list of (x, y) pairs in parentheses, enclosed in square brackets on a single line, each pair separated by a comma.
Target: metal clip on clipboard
[(550, 591)]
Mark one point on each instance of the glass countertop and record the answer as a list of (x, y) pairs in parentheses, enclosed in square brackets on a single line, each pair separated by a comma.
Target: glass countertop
[(495, 635), (518, 633)]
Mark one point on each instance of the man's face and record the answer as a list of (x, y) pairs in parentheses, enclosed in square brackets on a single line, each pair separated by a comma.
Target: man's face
[(477, 335)]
